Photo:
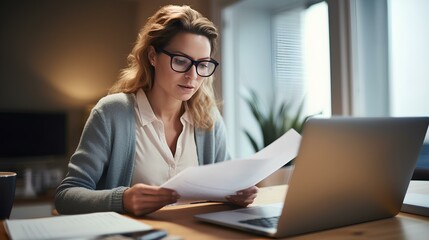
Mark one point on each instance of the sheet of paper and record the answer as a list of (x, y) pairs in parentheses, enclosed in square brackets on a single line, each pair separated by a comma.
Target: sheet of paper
[(215, 181), (82, 226), (416, 203)]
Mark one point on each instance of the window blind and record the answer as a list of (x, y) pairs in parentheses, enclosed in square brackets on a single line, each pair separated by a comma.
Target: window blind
[(288, 64)]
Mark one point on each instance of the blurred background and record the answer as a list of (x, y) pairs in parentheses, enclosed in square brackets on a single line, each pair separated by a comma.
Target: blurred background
[(58, 57)]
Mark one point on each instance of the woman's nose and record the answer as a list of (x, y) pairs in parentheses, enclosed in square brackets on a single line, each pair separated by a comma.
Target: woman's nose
[(191, 73)]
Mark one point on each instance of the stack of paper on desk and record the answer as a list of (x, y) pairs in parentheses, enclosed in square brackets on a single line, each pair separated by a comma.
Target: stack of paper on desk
[(215, 181), (416, 203), (82, 226)]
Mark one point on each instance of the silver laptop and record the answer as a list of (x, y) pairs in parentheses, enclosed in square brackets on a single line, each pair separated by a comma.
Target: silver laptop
[(348, 171)]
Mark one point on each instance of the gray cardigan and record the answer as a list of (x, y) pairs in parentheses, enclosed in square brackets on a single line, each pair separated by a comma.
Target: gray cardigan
[(101, 168)]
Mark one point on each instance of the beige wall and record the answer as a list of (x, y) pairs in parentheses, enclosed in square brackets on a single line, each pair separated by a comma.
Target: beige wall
[(62, 55), (147, 8)]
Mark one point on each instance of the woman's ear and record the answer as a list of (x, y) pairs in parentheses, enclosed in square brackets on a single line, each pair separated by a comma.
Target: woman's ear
[(151, 55)]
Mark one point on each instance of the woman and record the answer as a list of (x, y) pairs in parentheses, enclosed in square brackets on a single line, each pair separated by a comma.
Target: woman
[(159, 118)]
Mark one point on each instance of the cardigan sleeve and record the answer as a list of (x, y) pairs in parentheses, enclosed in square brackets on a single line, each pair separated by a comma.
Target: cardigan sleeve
[(96, 161)]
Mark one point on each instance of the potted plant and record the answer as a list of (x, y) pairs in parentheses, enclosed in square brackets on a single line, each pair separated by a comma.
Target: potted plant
[(273, 124)]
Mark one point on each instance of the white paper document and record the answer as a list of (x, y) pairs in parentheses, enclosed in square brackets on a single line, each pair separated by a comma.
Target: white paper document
[(81, 226), (215, 181), (416, 203)]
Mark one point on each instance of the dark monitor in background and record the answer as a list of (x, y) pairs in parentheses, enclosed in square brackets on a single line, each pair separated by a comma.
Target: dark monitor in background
[(32, 134)]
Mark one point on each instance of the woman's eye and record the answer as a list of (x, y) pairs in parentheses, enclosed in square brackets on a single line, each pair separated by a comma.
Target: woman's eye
[(203, 65), (181, 61)]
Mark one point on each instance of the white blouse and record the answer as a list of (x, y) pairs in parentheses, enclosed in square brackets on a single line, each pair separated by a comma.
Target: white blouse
[(155, 163)]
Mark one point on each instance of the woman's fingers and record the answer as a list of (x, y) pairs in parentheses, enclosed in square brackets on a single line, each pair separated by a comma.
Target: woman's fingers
[(142, 199), (248, 191), (244, 197)]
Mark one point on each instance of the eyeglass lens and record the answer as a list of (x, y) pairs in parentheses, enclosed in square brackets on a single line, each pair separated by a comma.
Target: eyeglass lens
[(183, 64)]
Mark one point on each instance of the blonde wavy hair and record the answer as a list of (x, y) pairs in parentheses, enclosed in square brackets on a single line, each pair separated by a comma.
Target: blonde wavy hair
[(157, 32)]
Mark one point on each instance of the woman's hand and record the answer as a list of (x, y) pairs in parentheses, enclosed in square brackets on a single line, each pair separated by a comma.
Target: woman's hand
[(142, 199), (244, 197)]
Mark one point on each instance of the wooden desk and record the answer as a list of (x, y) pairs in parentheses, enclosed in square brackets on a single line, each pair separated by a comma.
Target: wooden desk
[(179, 221)]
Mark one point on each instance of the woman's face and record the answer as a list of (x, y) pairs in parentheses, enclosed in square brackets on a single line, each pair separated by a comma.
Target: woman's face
[(174, 85)]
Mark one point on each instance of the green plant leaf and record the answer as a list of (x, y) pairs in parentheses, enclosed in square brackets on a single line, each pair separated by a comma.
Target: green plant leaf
[(282, 118), (274, 123), (305, 120), (296, 124), (252, 141), (253, 103)]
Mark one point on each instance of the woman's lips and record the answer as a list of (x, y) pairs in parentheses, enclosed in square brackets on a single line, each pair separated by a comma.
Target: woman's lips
[(186, 88)]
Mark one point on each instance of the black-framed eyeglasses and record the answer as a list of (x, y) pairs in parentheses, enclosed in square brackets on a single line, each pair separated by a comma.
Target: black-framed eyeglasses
[(180, 63)]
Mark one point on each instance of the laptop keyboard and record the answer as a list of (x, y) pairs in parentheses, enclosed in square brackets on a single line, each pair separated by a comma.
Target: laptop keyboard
[(269, 222)]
